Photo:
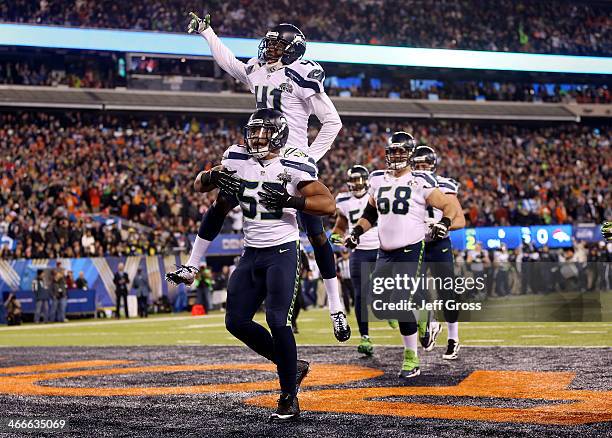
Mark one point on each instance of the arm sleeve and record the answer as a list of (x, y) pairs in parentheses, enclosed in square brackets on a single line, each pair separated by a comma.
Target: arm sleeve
[(224, 57), (324, 109)]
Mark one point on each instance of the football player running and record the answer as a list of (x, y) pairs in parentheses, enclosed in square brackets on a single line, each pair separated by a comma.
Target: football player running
[(279, 79), (439, 253), (272, 185), (398, 205), (349, 208)]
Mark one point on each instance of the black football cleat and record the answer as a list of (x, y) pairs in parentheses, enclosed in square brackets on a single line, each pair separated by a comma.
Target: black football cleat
[(452, 351), (288, 409), (185, 274), (303, 368), (342, 331)]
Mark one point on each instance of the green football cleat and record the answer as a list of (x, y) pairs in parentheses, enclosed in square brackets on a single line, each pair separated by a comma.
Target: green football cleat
[(393, 323), (365, 346), (410, 367)]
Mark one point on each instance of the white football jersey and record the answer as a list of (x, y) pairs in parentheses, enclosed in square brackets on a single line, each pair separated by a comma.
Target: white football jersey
[(351, 207), (287, 90), (262, 227), (445, 185), (402, 207)]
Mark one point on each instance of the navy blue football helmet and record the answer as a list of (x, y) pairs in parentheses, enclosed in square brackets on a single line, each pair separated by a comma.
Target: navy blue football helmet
[(285, 42), (425, 158), (358, 180), (399, 150), (266, 131)]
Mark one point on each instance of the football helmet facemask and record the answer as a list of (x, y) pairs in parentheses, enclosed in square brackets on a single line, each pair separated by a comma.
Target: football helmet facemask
[(284, 42), (399, 150), (265, 132)]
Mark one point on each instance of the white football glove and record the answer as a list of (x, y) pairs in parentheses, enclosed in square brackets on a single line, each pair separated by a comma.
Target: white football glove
[(198, 24), (440, 229)]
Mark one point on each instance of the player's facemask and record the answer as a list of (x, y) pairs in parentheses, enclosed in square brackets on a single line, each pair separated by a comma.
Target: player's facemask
[(422, 165), (357, 185), (274, 49), (259, 139), (397, 157)]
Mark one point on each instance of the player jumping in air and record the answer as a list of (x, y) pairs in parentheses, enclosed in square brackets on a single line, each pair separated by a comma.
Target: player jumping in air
[(439, 253), (280, 79), (271, 185), (398, 205)]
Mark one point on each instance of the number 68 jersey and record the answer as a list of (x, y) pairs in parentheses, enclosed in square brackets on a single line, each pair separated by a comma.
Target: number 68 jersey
[(264, 228), (402, 207)]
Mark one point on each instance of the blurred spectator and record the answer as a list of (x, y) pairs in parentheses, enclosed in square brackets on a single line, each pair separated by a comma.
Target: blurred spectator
[(59, 296), (203, 285), (13, 310), (81, 282), (511, 26), (41, 297), (121, 281), (70, 284), (142, 291)]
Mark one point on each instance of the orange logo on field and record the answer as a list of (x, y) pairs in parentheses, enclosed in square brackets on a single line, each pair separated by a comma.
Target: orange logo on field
[(575, 406), (25, 380), (558, 405)]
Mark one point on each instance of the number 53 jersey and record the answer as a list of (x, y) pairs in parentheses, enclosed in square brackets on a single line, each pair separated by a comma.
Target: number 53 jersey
[(402, 206), (262, 227)]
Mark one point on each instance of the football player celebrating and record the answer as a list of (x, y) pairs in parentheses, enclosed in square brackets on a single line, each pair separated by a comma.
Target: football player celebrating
[(279, 79), (439, 252), (398, 205), (271, 185), (349, 208)]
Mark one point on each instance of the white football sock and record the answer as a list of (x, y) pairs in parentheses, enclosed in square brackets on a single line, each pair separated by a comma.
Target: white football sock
[(332, 290), (453, 330), (410, 342), (200, 246)]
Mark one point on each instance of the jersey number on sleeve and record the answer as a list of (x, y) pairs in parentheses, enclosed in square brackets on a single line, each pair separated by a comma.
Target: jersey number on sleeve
[(399, 205), (262, 96), (249, 204)]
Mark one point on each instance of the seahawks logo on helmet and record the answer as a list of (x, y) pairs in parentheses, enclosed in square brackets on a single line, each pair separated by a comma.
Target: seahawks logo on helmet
[(399, 150), (284, 36), (358, 180)]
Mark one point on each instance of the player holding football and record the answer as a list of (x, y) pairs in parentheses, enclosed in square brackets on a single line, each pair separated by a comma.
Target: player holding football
[(279, 79), (271, 185), (349, 208), (398, 205), (439, 253)]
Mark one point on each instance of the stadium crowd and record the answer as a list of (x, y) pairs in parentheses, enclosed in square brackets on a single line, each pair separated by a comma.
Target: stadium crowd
[(63, 175), (565, 27), (79, 75)]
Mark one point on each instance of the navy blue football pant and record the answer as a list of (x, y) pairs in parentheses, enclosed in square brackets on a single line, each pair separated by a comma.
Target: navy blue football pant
[(270, 274), (362, 264), (212, 222), (403, 261), (439, 261)]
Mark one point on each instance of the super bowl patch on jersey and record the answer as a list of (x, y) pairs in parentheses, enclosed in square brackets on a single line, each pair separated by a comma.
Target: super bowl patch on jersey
[(284, 177), (286, 87)]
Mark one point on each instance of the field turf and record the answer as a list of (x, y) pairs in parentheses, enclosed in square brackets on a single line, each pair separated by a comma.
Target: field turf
[(186, 376)]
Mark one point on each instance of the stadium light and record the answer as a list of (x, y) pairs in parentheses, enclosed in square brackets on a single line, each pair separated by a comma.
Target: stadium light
[(190, 45)]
